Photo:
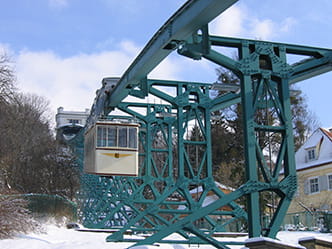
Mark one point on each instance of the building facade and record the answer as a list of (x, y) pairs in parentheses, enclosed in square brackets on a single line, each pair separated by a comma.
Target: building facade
[(71, 117), (314, 170), (68, 123)]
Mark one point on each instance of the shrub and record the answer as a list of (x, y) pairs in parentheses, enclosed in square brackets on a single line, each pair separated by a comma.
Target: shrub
[(14, 216)]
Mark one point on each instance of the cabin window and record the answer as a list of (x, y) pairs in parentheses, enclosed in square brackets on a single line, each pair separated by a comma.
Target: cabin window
[(132, 138), (101, 136), (112, 137), (123, 137), (117, 136)]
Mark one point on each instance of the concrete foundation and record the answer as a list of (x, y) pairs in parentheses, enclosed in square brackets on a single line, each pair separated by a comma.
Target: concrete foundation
[(267, 243), (314, 243)]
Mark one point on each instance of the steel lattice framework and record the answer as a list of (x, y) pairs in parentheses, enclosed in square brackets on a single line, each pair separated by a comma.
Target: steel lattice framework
[(161, 199)]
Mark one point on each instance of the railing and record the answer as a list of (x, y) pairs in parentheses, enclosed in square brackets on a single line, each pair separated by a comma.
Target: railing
[(307, 221)]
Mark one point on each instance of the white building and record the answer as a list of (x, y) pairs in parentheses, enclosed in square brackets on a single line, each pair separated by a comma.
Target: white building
[(71, 117), (314, 170), (68, 123)]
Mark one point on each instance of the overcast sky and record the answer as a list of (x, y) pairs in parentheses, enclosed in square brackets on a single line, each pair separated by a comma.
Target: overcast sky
[(62, 49)]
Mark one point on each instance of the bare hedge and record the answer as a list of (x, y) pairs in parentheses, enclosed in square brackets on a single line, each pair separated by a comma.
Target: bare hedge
[(15, 217)]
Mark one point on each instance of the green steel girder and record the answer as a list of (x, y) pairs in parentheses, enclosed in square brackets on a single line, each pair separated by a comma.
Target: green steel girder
[(186, 223), (258, 86), (160, 199), (318, 61), (180, 182), (137, 199), (265, 76), (190, 17), (215, 104)]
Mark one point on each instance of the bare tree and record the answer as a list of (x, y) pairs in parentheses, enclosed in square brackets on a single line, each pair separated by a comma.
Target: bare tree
[(31, 161), (7, 90), (7, 79)]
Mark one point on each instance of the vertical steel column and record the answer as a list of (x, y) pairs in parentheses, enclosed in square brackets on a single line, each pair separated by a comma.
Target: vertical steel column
[(288, 185), (247, 90), (207, 118), (181, 132)]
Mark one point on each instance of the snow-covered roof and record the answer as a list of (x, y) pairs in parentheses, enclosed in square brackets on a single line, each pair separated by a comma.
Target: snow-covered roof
[(69, 125), (328, 133), (321, 142), (218, 184)]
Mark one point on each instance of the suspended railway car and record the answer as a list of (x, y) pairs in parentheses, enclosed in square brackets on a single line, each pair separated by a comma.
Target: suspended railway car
[(111, 148)]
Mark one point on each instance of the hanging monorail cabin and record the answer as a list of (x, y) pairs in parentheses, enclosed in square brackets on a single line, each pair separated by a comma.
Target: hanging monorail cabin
[(111, 148)]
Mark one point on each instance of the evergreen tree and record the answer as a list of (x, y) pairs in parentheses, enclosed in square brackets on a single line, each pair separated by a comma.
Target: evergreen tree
[(227, 132), (194, 149)]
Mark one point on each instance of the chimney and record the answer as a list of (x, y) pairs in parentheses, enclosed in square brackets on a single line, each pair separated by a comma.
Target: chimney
[(60, 109)]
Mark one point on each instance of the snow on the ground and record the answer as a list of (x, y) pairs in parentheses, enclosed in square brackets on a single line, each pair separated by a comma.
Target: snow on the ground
[(63, 238)]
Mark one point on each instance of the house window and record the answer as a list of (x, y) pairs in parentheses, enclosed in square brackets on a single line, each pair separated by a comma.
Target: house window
[(329, 181), (311, 154), (313, 185), (74, 121)]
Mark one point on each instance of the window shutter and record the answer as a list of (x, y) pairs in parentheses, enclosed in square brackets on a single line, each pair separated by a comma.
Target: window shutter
[(306, 187), (323, 183)]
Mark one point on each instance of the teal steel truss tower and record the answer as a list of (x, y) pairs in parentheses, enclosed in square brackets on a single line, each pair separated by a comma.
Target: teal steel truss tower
[(175, 191)]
